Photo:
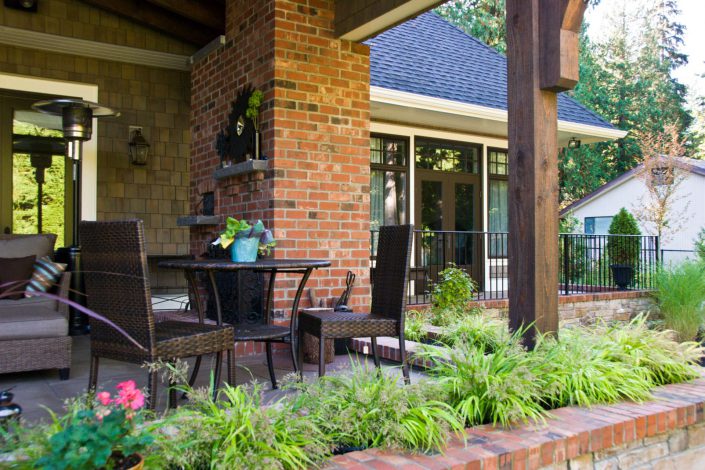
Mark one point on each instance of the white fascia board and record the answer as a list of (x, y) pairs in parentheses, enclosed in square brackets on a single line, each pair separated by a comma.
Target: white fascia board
[(394, 16), (98, 50), (413, 100)]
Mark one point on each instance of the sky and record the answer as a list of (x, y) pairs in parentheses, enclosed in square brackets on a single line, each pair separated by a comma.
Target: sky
[(692, 16)]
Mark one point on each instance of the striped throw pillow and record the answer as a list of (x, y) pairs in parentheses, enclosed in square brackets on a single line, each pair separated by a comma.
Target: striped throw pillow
[(46, 273)]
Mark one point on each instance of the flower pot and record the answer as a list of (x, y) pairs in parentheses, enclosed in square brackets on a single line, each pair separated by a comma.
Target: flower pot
[(623, 275), (244, 250), (139, 465)]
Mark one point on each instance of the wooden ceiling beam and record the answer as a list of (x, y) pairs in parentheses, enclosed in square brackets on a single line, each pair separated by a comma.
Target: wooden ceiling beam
[(357, 20), (210, 14), (159, 19)]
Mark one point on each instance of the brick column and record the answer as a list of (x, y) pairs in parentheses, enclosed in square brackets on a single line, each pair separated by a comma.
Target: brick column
[(315, 131)]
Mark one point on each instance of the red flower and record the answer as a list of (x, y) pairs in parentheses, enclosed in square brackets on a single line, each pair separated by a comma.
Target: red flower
[(104, 398), (129, 395)]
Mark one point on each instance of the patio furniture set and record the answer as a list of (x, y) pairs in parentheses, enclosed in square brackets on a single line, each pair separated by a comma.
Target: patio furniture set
[(117, 288)]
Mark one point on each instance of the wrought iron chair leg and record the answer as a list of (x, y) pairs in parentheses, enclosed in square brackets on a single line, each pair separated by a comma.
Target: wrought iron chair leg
[(300, 353), (152, 390), (216, 375), (93, 373), (294, 354), (404, 363), (321, 356), (375, 355), (270, 365)]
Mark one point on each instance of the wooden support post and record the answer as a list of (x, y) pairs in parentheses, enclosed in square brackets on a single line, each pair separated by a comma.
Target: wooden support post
[(542, 60)]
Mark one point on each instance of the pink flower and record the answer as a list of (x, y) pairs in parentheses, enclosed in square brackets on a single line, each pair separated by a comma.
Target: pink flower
[(104, 398), (129, 395)]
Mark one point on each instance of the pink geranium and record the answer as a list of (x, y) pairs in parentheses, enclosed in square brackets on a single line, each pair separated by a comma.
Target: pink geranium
[(129, 395), (104, 398)]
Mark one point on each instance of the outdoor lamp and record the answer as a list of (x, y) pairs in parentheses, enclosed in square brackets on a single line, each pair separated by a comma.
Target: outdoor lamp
[(138, 147), (573, 143)]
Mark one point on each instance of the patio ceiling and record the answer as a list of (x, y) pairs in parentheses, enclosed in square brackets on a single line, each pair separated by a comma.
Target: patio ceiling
[(192, 21)]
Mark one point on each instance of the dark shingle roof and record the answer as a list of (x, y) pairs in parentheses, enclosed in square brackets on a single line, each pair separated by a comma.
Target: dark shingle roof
[(429, 56)]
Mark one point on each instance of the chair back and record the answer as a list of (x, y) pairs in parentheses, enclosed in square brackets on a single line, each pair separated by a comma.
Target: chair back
[(114, 263), (391, 273)]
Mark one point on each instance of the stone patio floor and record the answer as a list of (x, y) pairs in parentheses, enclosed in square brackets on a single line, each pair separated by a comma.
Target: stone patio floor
[(36, 390)]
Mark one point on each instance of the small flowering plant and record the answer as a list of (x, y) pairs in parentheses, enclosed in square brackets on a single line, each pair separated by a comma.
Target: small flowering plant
[(109, 434)]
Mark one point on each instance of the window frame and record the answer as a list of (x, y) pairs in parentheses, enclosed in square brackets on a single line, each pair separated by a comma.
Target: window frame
[(454, 143), (394, 168), (494, 177)]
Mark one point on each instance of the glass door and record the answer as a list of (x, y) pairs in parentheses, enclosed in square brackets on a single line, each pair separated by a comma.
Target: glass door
[(36, 186)]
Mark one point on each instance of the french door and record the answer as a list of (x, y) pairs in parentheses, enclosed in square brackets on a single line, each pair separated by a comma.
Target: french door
[(35, 179), (448, 204)]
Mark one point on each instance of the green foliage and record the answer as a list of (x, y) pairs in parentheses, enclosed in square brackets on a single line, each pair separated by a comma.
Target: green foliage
[(454, 289), (240, 228), (485, 333), (253, 105), (569, 223), (414, 323), (624, 250), (237, 432), (680, 293), (371, 409), (495, 387), (699, 245), (483, 19)]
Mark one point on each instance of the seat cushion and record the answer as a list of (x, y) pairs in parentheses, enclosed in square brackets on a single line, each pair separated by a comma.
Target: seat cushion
[(30, 322), (13, 270), (347, 325), (18, 246)]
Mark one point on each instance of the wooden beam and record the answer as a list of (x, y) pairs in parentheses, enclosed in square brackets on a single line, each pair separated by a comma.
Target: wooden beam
[(159, 19), (357, 20), (533, 163), (210, 14), (559, 33)]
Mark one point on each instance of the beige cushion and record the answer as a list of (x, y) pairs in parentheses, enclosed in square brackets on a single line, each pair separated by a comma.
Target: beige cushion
[(27, 302), (18, 246), (31, 322)]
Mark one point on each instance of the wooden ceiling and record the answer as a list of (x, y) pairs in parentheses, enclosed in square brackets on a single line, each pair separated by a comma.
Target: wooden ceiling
[(194, 21)]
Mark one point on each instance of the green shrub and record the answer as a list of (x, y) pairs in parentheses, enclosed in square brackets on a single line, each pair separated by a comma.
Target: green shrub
[(699, 245), (497, 387), (453, 291), (371, 409), (478, 330), (579, 369), (680, 293), (624, 250), (414, 325), (237, 432)]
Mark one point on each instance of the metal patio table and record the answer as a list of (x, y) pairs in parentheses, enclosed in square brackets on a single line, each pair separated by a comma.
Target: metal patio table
[(271, 266)]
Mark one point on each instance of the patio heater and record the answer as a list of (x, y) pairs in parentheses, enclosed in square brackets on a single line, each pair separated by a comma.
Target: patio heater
[(77, 123)]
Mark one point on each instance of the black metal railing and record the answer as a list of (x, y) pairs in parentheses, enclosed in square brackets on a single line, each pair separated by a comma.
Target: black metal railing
[(584, 261)]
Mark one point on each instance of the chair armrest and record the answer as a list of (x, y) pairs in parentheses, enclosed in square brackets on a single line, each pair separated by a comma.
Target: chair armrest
[(63, 292)]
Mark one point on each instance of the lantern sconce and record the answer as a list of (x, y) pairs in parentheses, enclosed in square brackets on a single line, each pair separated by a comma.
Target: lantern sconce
[(573, 143), (138, 146)]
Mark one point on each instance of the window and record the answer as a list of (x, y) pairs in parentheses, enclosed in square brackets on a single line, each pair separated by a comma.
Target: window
[(597, 225), (498, 217), (441, 155), (388, 180)]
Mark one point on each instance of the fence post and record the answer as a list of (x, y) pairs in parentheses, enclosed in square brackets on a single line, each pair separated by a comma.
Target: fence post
[(566, 262)]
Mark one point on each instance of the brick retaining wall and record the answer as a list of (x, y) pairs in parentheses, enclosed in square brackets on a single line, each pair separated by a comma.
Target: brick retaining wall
[(667, 432)]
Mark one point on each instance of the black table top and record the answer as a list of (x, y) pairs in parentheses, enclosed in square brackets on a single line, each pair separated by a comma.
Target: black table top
[(227, 265)]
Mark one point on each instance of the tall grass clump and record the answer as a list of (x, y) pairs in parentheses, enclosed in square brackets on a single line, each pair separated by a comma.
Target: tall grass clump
[(680, 294), (483, 332), (497, 387), (369, 408), (451, 295), (237, 432), (414, 323)]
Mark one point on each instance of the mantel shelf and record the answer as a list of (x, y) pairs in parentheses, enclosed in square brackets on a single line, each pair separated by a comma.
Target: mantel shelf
[(191, 220), (243, 168)]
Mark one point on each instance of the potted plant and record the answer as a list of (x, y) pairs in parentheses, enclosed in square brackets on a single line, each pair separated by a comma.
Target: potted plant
[(623, 248), (246, 241), (108, 433), (252, 112)]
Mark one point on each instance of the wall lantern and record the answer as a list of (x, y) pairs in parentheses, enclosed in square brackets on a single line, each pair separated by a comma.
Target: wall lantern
[(23, 5), (139, 147), (573, 143)]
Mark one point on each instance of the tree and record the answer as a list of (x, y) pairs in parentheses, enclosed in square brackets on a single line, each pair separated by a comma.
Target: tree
[(482, 19), (662, 174)]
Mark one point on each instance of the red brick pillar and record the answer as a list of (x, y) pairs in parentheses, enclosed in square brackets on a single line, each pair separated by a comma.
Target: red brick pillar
[(315, 122)]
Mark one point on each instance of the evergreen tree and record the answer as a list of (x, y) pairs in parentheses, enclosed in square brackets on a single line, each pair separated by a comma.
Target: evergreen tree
[(483, 19)]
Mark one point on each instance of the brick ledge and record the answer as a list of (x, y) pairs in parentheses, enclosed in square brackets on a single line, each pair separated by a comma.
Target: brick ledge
[(568, 433)]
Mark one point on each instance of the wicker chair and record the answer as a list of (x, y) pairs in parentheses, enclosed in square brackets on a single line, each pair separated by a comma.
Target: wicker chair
[(117, 287), (389, 287)]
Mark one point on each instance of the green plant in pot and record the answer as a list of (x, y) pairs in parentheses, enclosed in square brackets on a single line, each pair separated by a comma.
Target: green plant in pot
[(245, 241), (623, 248), (252, 113)]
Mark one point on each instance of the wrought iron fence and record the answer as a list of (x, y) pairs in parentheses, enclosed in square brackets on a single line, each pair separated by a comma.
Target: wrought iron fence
[(584, 261)]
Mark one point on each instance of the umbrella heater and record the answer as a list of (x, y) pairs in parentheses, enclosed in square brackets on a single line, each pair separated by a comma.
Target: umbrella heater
[(77, 123)]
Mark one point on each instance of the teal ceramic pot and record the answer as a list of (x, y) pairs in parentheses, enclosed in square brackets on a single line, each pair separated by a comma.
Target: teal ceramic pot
[(244, 250)]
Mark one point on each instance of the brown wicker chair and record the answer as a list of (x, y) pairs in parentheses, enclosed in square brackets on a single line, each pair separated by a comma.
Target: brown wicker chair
[(117, 287), (389, 287)]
